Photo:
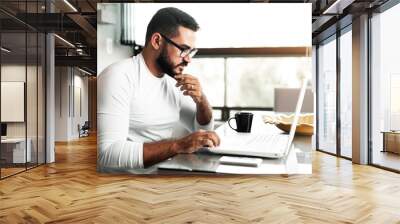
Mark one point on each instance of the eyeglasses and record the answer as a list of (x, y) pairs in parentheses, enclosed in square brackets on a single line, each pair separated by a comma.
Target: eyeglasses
[(184, 51)]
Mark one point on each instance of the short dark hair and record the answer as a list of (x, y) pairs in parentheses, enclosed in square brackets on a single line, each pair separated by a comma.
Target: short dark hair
[(167, 21)]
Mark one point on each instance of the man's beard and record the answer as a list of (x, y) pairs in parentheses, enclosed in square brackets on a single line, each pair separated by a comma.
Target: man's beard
[(166, 65)]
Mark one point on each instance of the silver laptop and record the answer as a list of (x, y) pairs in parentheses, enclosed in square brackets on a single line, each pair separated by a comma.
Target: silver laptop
[(260, 145), (207, 160)]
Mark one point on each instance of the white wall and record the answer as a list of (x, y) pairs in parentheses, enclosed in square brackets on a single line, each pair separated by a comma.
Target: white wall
[(13, 99), (109, 49), (61, 103), (79, 117), (12, 73), (67, 115)]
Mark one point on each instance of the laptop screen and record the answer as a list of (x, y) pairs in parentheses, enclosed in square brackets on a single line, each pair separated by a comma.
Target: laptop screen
[(297, 114)]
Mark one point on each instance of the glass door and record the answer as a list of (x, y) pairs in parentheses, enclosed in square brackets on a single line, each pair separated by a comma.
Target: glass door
[(327, 95), (346, 92), (385, 89), (14, 144)]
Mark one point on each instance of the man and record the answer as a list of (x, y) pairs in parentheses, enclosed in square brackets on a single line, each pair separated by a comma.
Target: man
[(139, 106)]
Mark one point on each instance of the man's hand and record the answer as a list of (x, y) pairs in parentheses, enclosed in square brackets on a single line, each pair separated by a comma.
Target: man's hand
[(155, 152), (197, 140), (190, 85)]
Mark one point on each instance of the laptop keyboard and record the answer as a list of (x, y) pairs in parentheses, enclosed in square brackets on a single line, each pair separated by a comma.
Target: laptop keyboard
[(254, 141)]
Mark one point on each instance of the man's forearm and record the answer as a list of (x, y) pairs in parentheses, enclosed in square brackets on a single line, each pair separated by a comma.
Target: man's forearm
[(158, 151), (204, 111)]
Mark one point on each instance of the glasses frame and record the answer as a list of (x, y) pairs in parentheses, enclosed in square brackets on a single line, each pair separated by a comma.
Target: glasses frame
[(191, 52)]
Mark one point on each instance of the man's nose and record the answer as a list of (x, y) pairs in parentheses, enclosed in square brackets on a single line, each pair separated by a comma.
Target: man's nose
[(187, 59)]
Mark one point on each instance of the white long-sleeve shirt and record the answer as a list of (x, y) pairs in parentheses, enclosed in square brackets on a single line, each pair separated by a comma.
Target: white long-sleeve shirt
[(135, 107)]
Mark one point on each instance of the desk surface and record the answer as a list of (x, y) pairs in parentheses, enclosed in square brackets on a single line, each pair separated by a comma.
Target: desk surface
[(298, 160), (391, 132)]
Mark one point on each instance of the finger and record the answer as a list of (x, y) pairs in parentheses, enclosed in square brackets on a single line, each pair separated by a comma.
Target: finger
[(183, 75), (216, 136), (187, 79), (190, 81), (180, 83), (196, 85), (187, 87), (179, 80), (179, 76), (191, 93), (191, 87), (213, 138), (207, 143)]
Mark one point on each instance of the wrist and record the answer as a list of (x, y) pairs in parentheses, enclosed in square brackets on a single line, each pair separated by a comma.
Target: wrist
[(175, 146), (202, 100)]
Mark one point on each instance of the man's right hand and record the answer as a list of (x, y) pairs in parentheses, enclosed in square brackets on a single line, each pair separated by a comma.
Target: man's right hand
[(197, 140)]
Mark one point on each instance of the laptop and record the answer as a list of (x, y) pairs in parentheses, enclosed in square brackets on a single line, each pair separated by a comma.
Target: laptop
[(272, 145), (208, 159)]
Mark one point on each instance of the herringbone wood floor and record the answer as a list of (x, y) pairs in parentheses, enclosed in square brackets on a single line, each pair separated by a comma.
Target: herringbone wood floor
[(70, 191)]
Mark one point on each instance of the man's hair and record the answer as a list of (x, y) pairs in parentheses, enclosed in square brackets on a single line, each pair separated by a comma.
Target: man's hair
[(167, 21)]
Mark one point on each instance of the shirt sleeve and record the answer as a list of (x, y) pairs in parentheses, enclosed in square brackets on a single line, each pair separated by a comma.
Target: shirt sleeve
[(114, 149), (188, 116)]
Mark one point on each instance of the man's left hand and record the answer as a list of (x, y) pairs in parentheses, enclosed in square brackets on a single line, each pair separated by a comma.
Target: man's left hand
[(190, 86)]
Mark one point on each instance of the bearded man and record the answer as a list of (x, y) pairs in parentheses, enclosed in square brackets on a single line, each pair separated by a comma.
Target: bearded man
[(142, 99)]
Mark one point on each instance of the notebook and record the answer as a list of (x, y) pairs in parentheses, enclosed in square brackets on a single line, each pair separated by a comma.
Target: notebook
[(266, 145)]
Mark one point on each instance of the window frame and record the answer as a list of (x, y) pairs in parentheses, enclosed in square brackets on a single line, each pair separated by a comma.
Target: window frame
[(332, 37), (226, 53), (380, 9)]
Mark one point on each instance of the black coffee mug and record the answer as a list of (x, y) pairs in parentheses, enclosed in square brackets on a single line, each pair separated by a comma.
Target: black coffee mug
[(243, 122)]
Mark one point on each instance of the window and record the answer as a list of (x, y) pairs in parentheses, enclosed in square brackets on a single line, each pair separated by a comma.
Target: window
[(346, 93), (385, 86), (210, 71), (22, 65), (250, 81), (394, 102), (327, 95)]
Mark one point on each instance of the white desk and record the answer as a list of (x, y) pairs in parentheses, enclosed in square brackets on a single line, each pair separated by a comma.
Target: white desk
[(298, 161), (16, 148)]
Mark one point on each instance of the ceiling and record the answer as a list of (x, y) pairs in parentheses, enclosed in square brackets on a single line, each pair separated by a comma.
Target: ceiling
[(76, 20)]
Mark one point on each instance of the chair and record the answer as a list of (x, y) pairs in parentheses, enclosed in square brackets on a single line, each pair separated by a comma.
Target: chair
[(84, 130)]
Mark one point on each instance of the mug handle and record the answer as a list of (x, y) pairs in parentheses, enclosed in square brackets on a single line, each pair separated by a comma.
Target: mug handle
[(229, 123)]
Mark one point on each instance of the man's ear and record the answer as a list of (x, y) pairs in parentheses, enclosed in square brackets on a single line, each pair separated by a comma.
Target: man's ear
[(155, 41)]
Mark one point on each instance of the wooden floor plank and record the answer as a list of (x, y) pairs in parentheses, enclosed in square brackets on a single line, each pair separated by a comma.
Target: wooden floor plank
[(71, 191)]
